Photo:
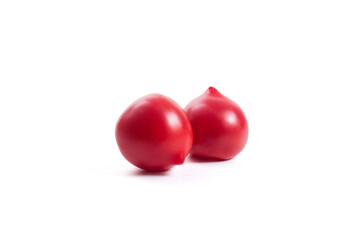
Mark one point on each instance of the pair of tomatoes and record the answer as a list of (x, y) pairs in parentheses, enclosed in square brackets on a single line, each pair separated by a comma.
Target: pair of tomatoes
[(155, 133)]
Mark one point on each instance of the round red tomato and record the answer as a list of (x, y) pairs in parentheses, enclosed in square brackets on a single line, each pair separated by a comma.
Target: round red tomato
[(219, 126), (154, 133)]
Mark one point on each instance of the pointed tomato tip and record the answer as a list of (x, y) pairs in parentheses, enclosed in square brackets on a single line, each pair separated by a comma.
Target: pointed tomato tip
[(179, 160), (213, 91)]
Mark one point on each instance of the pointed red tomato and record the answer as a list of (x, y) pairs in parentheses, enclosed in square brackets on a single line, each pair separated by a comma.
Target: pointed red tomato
[(154, 133), (219, 126)]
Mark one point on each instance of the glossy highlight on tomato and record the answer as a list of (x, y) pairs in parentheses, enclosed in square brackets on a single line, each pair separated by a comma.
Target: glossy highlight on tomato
[(219, 125), (154, 133)]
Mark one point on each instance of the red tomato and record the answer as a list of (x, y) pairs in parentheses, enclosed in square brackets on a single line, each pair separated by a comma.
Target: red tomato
[(219, 126), (154, 133)]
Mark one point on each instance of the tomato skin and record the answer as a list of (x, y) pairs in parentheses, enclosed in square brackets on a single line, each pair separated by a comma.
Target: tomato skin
[(154, 133), (219, 126)]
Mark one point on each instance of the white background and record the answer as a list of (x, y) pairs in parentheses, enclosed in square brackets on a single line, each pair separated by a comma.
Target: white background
[(69, 68)]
